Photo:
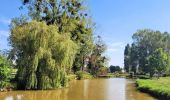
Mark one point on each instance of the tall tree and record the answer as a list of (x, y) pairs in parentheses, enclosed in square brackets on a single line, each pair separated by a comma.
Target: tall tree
[(42, 55), (134, 58), (127, 58), (147, 42), (70, 17), (97, 58)]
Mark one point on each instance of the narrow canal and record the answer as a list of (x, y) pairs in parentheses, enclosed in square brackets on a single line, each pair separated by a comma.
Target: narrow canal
[(95, 89)]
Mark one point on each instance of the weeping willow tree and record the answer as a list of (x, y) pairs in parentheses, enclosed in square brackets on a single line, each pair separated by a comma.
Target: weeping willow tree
[(42, 55)]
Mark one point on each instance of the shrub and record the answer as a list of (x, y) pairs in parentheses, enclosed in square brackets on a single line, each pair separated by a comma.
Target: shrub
[(71, 77), (5, 72), (103, 71), (83, 75)]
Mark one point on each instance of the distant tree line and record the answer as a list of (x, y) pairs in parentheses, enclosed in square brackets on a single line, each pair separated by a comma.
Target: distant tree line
[(148, 53), (115, 69)]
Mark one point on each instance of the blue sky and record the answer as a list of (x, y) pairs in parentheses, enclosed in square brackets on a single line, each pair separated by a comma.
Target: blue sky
[(116, 21)]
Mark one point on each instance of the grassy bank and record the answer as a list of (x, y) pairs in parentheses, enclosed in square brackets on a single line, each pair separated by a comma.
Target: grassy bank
[(159, 88)]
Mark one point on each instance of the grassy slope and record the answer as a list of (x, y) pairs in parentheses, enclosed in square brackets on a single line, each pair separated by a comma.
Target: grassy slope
[(159, 88)]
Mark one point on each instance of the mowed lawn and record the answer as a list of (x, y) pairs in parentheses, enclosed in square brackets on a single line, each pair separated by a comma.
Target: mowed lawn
[(159, 88)]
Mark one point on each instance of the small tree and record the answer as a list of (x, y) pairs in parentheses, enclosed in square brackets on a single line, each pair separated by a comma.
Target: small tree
[(102, 71), (5, 72)]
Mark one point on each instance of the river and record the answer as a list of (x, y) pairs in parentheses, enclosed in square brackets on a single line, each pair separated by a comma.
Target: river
[(95, 89)]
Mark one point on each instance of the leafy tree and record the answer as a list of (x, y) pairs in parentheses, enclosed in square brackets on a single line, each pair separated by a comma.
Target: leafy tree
[(115, 69), (42, 55), (102, 71), (147, 41), (127, 58), (133, 58), (70, 16), (97, 58), (5, 72), (158, 61)]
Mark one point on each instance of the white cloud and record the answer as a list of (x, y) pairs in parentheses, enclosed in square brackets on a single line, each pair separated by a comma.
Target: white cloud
[(116, 46), (112, 49), (3, 39), (4, 33), (5, 21), (115, 51)]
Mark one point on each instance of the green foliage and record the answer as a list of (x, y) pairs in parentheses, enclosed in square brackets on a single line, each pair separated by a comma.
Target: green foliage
[(115, 69), (159, 88), (133, 58), (83, 75), (127, 58), (158, 61), (145, 43), (97, 58), (102, 71), (71, 77), (43, 55), (5, 72), (70, 16)]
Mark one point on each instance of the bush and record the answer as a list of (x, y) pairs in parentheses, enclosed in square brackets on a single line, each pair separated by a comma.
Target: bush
[(5, 72), (83, 75), (71, 77), (103, 71)]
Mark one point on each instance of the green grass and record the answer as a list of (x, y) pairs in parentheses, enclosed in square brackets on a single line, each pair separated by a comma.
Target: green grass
[(159, 88)]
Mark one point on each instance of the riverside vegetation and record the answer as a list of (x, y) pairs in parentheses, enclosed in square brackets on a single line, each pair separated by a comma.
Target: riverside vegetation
[(54, 43), (148, 56), (159, 88), (55, 39)]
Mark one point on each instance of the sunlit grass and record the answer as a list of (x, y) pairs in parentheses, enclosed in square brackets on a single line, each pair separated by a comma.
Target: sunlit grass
[(159, 88)]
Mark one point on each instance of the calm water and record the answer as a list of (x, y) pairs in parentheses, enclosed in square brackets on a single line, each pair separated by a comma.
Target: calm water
[(95, 89)]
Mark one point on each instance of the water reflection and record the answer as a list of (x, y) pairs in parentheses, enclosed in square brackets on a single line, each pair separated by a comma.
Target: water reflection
[(96, 89)]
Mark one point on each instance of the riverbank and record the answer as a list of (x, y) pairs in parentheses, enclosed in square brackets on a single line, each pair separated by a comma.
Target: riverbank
[(114, 75), (80, 75), (89, 89), (159, 88)]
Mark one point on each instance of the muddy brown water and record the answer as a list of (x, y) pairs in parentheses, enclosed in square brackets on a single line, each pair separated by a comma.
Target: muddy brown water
[(95, 89)]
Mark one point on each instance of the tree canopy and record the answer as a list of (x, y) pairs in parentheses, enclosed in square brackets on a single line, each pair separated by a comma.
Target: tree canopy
[(42, 55), (149, 50), (158, 61)]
